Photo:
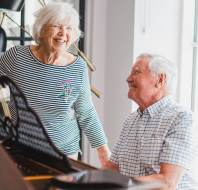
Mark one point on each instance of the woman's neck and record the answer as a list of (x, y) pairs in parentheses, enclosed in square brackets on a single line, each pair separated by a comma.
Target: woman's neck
[(48, 56), (52, 57)]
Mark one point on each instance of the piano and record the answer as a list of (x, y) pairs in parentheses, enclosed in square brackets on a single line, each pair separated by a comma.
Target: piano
[(41, 164)]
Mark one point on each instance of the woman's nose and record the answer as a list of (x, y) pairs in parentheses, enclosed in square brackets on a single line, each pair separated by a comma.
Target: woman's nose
[(62, 30)]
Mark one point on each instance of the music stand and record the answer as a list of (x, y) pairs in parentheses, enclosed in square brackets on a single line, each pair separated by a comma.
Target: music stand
[(24, 126)]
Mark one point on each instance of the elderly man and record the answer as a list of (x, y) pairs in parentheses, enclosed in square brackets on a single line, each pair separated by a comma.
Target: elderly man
[(156, 140)]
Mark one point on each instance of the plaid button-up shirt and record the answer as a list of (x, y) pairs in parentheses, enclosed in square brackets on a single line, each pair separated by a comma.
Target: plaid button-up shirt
[(161, 134)]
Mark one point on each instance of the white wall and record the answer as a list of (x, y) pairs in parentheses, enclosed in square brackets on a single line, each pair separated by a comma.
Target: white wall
[(109, 44), (119, 55), (116, 32), (158, 28), (95, 48)]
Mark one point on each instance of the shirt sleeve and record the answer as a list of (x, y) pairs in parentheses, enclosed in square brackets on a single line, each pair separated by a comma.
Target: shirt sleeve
[(179, 146), (87, 117), (7, 61)]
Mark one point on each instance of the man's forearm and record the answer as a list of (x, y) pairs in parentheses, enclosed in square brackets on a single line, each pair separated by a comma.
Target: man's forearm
[(169, 184), (169, 175)]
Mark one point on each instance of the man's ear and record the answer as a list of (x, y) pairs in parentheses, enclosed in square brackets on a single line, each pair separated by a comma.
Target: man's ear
[(161, 80)]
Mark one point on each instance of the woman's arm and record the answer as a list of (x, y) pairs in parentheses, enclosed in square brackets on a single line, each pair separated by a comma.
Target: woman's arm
[(103, 155), (88, 119)]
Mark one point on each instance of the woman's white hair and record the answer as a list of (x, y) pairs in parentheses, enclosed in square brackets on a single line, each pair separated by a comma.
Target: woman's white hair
[(161, 65), (53, 13)]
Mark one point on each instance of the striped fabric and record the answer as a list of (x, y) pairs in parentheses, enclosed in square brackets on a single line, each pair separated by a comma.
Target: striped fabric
[(163, 133), (60, 95)]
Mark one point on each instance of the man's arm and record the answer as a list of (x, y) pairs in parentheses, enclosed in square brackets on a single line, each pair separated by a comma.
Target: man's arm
[(169, 175)]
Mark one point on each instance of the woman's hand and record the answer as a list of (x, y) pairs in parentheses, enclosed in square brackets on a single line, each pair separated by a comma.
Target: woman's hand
[(103, 155)]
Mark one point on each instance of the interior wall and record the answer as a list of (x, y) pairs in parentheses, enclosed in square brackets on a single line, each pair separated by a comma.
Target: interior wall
[(119, 48), (95, 48), (109, 44), (158, 29)]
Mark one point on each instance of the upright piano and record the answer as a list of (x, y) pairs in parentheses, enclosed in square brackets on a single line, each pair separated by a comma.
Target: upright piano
[(39, 161)]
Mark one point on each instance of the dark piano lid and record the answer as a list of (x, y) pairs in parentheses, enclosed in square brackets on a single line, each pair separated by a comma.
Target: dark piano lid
[(102, 179), (93, 179)]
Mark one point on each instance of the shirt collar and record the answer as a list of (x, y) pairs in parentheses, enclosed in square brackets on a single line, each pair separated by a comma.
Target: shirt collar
[(157, 107)]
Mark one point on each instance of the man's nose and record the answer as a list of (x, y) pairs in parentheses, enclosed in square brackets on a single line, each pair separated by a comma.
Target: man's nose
[(129, 78)]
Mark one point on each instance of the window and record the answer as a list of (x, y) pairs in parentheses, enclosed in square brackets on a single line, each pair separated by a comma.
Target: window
[(188, 81), (194, 101), (189, 62)]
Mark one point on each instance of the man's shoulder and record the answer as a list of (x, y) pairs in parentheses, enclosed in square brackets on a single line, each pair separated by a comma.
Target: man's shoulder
[(177, 110), (179, 117), (180, 110)]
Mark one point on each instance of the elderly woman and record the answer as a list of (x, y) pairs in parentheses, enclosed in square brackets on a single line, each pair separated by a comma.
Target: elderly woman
[(55, 82)]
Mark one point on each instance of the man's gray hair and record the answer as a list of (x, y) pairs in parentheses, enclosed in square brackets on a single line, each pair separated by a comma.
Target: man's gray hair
[(53, 13), (158, 65)]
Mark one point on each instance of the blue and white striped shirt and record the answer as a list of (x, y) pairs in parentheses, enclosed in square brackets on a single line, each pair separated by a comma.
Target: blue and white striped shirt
[(60, 95), (161, 134)]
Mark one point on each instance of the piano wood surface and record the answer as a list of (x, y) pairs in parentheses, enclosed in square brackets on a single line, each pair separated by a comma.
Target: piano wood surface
[(39, 170)]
